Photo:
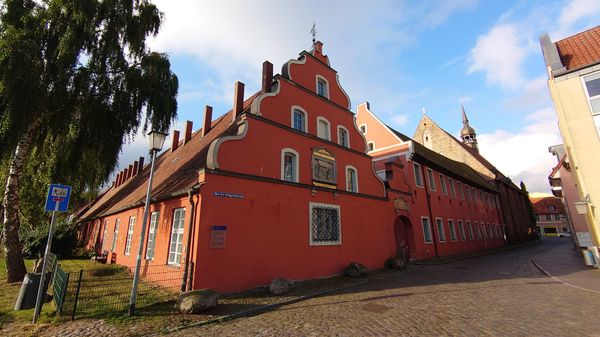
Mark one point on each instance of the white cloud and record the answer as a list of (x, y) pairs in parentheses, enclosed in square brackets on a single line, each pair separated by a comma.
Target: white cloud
[(523, 156), (500, 54), (400, 120), (575, 16)]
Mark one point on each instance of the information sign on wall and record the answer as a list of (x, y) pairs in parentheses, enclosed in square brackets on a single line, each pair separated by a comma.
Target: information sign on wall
[(584, 239), (218, 235)]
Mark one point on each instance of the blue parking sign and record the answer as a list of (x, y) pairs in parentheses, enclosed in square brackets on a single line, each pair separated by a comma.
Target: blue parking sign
[(58, 198)]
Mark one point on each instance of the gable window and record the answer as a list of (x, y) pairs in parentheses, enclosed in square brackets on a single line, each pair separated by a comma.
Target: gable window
[(371, 146), (452, 189), (129, 235), (426, 230), (470, 229), (298, 119), (176, 244), (322, 87), (351, 179), (452, 230), (592, 89), (115, 235), (323, 128), (431, 179), (289, 165), (440, 229), (418, 176), (363, 128), (443, 185), (152, 236), (325, 224), (104, 235), (551, 208), (461, 228), (343, 136)]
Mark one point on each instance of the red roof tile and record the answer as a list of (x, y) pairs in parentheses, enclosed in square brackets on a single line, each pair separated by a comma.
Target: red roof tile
[(581, 49), (540, 205)]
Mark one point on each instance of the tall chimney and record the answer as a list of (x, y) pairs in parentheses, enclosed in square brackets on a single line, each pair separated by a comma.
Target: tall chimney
[(140, 165), (135, 168), (267, 76), (188, 131), (238, 100), (207, 120), (175, 143)]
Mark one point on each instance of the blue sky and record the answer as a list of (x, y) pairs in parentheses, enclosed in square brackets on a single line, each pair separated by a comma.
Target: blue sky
[(400, 56)]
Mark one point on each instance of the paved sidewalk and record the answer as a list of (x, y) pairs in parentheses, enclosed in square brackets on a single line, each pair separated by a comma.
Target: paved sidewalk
[(564, 264)]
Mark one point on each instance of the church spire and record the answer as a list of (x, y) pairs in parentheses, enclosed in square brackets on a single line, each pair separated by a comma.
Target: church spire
[(468, 134)]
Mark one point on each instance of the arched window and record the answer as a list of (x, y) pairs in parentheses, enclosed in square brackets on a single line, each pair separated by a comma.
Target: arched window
[(323, 128), (298, 119), (289, 165), (343, 139), (322, 87), (351, 179)]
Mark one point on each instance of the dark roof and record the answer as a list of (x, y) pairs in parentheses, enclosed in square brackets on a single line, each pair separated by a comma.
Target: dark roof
[(540, 205), (580, 50), (444, 164), (174, 172)]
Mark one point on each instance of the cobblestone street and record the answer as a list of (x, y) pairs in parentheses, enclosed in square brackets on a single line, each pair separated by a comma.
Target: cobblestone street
[(495, 295)]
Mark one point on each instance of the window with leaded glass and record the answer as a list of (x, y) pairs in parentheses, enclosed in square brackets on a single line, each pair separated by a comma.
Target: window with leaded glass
[(152, 235), (129, 235), (176, 242), (325, 224)]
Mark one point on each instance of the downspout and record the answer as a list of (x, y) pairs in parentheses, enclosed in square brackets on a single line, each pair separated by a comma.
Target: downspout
[(191, 192), (431, 222)]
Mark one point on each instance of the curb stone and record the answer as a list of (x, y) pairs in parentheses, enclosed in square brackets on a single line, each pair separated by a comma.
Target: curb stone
[(484, 253), (556, 278)]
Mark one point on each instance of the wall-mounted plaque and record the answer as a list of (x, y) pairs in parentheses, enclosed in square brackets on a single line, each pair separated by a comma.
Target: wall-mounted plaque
[(400, 204), (323, 168), (218, 235)]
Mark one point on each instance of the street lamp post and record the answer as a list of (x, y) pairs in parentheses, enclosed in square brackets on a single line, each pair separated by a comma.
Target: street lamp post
[(157, 140)]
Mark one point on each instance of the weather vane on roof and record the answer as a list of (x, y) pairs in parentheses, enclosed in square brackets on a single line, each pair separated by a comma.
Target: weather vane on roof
[(313, 31)]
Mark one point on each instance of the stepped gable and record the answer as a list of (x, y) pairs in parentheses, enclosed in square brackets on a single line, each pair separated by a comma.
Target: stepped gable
[(175, 172)]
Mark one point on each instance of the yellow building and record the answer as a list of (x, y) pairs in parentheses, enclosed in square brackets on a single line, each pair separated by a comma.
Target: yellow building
[(573, 66)]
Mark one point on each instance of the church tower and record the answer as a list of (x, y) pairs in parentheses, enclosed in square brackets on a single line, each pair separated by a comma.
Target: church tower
[(467, 134)]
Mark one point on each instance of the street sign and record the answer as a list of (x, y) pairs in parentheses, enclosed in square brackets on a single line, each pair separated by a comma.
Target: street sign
[(58, 198)]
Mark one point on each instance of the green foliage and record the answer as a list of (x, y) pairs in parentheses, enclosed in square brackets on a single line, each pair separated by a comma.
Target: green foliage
[(64, 242)]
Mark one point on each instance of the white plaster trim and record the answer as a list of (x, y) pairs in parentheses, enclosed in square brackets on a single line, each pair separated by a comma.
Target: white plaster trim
[(255, 106), (321, 118), (421, 173), (317, 78), (366, 128), (380, 122), (372, 143), (297, 107), (443, 231), (587, 93), (350, 167), (311, 205), (297, 173), (341, 127), (450, 228), (337, 79), (288, 64), (213, 150)]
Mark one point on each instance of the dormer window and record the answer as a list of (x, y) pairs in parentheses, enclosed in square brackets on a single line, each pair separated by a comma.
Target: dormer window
[(343, 136), (322, 87), (298, 119)]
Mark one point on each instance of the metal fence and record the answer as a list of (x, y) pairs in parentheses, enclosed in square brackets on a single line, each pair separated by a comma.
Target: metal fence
[(106, 291)]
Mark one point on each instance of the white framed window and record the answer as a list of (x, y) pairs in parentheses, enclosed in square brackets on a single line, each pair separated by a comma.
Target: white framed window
[(325, 224), (351, 179), (468, 193), (426, 230), (431, 179), (176, 242), (343, 136), (289, 165), (129, 235), (443, 184), (462, 191), (452, 229), (592, 90), (322, 86), (461, 228), (152, 235), (104, 235), (557, 217), (115, 235), (470, 229), (370, 146), (363, 129), (483, 231), (452, 188), (323, 128), (418, 176), (477, 231), (440, 229), (299, 117)]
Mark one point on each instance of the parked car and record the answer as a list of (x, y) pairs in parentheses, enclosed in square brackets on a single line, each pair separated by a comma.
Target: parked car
[(564, 235)]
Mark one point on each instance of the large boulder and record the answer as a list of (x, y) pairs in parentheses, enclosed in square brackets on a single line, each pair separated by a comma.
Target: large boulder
[(395, 263), (196, 301), (355, 270), (279, 286)]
